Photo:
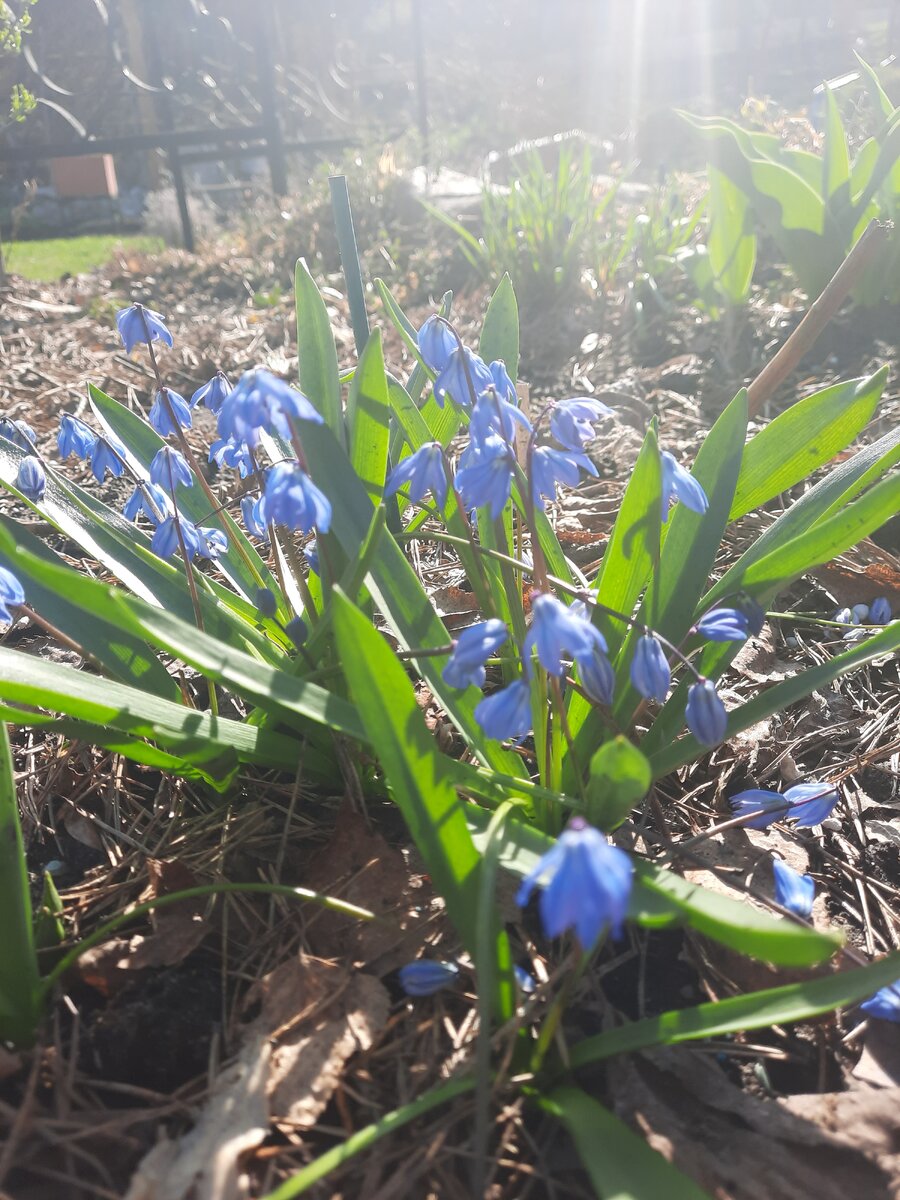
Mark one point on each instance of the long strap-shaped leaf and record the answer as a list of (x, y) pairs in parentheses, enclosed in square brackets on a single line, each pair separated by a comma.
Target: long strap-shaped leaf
[(18, 964)]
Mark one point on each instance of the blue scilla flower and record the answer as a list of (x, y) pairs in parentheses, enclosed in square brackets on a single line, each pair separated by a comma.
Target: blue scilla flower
[(597, 676), (486, 479), (679, 484), (551, 467), (507, 713), (424, 977), (138, 324), (705, 713), (213, 542), (572, 421), (588, 885), (859, 613), (266, 603), (150, 500), (885, 1004), (843, 616), (12, 594), (227, 453), (724, 625), (494, 415), (108, 455), (262, 401), (311, 554), (292, 499), (471, 650), (165, 539), (253, 522), (650, 671), (297, 630), (423, 471), (793, 891), (31, 478), (770, 807), (880, 611), (436, 342), (74, 437), (810, 803), (19, 433), (169, 413), (556, 631), (169, 467), (213, 393), (504, 386), (464, 376)]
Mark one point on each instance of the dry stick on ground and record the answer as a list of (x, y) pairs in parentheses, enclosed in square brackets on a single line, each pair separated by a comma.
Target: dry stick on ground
[(821, 312)]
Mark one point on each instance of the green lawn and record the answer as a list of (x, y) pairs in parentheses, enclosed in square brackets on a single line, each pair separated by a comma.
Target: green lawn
[(52, 258)]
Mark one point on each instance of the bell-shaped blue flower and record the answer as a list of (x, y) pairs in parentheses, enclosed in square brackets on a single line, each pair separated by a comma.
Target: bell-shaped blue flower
[(464, 376), (557, 631), (572, 421), (423, 471), (165, 541), (587, 885), (504, 386), (551, 467), (597, 676), (436, 342), (880, 611), (169, 467), (769, 807), (108, 455), (31, 478), (425, 976), (494, 415), (12, 594), (213, 393), (169, 413), (810, 803), (150, 500), (471, 650), (724, 625), (859, 613), (793, 891), (213, 542), (262, 401), (885, 1004), (74, 437), (227, 453), (679, 484), (843, 616), (705, 713), (253, 523), (18, 432), (292, 499), (507, 713), (650, 671), (138, 324), (487, 478)]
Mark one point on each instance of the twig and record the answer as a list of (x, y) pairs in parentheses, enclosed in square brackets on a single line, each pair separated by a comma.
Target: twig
[(821, 312)]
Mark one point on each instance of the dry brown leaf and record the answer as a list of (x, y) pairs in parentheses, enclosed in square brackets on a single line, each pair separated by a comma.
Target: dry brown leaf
[(740, 1147), (205, 1163), (317, 1015)]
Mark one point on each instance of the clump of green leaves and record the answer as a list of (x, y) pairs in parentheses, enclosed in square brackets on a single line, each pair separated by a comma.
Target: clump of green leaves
[(13, 27)]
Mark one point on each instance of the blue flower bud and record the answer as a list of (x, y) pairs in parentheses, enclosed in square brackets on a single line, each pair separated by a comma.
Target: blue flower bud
[(792, 891), (19, 433), (650, 672), (424, 977), (297, 630), (169, 413), (12, 594), (880, 611), (705, 713), (588, 885), (266, 602), (723, 625), (597, 676), (436, 342), (31, 478), (505, 388), (810, 803), (472, 649), (843, 616), (755, 614), (859, 613), (138, 324), (769, 807), (507, 713)]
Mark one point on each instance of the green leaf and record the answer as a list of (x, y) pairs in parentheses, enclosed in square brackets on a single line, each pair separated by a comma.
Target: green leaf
[(804, 437), (368, 419), (731, 244), (49, 930), (620, 1164), (319, 377), (92, 627), (241, 564), (500, 331), (619, 777), (19, 1009), (781, 696), (836, 159), (756, 1010), (396, 727)]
